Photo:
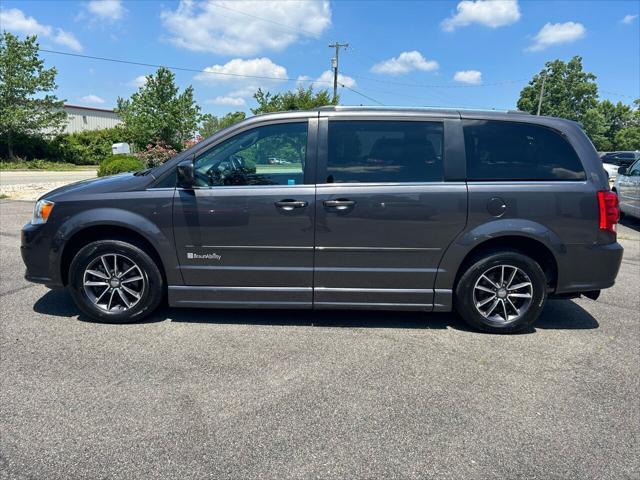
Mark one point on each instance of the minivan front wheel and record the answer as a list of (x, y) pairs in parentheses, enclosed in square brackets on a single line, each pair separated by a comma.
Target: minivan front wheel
[(502, 292), (115, 282)]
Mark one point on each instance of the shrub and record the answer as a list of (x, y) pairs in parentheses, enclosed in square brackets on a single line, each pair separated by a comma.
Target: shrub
[(155, 155), (86, 148), (35, 164), (119, 164)]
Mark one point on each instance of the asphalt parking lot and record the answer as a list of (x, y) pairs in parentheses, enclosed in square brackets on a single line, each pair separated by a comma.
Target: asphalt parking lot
[(264, 394)]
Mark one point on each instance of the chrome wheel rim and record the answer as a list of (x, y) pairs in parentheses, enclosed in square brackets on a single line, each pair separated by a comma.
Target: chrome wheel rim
[(503, 293), (114, 283)]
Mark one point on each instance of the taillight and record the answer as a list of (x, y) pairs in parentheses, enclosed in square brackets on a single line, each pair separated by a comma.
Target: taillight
[(609, 212)]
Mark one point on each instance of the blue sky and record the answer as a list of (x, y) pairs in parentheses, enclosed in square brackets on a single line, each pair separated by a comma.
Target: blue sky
[(476, 54)]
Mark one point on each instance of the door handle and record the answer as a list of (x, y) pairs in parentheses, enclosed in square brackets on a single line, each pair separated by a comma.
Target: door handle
[(289, 205), (339, 204)]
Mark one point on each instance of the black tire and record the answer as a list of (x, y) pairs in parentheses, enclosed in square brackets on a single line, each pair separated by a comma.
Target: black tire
[(151, 288), (465, 302)]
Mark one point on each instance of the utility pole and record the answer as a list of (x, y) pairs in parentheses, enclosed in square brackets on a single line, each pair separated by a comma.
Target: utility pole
[(544, 79), (334, 66)]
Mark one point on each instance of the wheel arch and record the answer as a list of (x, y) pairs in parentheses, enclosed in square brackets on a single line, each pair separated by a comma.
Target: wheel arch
[(113, 224), (528, 246), (528, 237)]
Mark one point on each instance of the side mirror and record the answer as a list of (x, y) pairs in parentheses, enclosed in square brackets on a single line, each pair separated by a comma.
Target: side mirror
[(622, 171), (186, 174)]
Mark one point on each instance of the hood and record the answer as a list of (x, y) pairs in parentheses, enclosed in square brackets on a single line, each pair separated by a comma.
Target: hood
[(122, 182)]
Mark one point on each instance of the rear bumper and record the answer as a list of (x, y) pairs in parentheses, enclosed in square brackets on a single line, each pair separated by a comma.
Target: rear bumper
[(586, 268)]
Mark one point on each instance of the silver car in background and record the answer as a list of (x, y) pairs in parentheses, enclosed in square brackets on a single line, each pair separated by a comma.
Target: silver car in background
[(627, 187)]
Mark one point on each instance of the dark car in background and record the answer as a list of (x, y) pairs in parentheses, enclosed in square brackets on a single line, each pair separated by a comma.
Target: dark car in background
[(486, 213), (612, 161)]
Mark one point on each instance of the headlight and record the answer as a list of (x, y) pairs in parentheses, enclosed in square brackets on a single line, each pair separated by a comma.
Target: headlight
[(41, 212)]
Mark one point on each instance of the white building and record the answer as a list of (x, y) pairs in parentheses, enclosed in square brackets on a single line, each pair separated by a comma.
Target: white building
[(89, 118)]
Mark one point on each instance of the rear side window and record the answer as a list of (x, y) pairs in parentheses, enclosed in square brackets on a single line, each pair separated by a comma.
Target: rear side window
[(518, 151), (384, 151)]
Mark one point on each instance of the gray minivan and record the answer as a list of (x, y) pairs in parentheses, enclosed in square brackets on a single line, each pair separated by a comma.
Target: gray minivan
[(366, 208)]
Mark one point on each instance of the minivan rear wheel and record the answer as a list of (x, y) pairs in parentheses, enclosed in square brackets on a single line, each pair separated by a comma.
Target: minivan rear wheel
[(113, 281), (501, 292)]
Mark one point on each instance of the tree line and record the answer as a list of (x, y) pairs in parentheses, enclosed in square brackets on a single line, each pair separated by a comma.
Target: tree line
[(160, 120), (570, 92)]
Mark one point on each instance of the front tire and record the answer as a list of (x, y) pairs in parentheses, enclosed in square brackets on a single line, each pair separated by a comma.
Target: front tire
[(113, 281), (501, 292)]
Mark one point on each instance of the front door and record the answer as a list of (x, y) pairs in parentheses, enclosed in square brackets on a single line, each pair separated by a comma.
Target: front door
[(384, 214), (244, 235)]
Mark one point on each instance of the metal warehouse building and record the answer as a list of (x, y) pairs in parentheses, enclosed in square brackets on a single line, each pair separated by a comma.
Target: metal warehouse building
[(89, 118)]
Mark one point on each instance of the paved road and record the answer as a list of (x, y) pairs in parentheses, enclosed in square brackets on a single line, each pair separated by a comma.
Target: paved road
[(229, 394), (36, 176)]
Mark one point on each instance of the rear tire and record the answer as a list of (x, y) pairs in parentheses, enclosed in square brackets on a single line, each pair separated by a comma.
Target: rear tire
[(486, 299), (113, 281)]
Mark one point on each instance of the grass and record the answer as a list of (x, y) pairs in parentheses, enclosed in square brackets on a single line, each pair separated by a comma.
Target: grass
[(3, 196), (41, 165), (280, 168)]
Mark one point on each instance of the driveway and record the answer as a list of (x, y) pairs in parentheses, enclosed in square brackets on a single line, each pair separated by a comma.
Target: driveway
[(30, 184), (289, 394)]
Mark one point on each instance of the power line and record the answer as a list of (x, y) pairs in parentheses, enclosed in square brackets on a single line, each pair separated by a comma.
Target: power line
[(194, 70), (288, 27), (361, 94), (182, 69), (425, 85), (619, 94)]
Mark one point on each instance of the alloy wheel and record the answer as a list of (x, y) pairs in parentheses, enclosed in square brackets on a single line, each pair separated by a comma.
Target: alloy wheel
[(113, 282), (503, 293)]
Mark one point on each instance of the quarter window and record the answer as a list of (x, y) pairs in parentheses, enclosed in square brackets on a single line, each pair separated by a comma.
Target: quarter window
[(384, 151), (518, 151), (269, 155)]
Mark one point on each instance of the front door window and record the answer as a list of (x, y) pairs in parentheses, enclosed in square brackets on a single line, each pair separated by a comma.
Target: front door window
[(269, 155)]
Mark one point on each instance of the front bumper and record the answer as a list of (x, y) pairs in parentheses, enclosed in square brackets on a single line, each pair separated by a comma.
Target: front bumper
[(36, 254), (586, 268)]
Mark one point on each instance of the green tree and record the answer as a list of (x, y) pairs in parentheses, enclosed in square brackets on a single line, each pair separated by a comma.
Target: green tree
[(26, 106), (595, 125), (300, 99), (569, 92), (628, 138), (157, 114), (616, 117), (210, 124)]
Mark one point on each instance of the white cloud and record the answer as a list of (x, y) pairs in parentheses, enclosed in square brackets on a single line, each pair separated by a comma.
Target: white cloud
[(68, 40), (261, 72), (303, 80), (234, 70), (490, 13), (471, 77), (138, 82), (227, 100), (405, 63), (16, 21), (92, 99), (557, 33), (628, 19), (326, 79), (244, 27), (106, 9)]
